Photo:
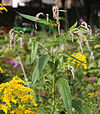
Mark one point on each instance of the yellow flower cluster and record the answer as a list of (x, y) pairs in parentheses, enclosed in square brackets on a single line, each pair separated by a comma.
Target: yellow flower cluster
[(16, 98), (2, 8), (91, 94), (22, 110), (1, 70), (94, 94), (82, 60)]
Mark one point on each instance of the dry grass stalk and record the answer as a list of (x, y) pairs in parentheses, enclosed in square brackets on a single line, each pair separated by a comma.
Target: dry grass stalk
[(55, 10), (72, 70), (13, 35), (91, 55), (47, 15), (87, 44), (15, 40), (21, 41), (22, 68), (84, 25), (37, 17), (80, 41), (88, 28), (72, 35), (30, 41)]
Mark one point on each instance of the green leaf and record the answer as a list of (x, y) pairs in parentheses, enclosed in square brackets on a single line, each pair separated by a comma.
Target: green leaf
[(41, 63), (33, 18), (63, 38), (64, 19), (79, 107), (22, 28), (1, 31), (73, 27), (50, 44), (34, 51), (56, 64), (27, 83), (81, 30), (73, 43), (65, 94), (56, 112)]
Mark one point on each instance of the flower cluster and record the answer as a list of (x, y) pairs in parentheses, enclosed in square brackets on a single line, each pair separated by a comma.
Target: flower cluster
[(94, 94), (13, 63), (2, 8), (92, 79), (1, 70), (79, 59), (15, 98)]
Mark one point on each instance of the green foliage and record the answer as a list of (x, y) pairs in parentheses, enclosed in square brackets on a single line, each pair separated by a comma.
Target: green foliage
[(45, 61), (32, 18), (41, 63), (34, 51), (73, 27), (65, 94), (79, 107)]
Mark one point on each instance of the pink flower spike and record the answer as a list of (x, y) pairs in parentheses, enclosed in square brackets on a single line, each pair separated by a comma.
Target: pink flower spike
[(93, 79), (13, 63)]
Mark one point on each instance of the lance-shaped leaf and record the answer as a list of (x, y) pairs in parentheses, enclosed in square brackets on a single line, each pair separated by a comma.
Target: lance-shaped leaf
[(63, 38), (65, 94), (34, 51), (73, 27), (33, 18), (79, 107), (41, 63), (56, 64)]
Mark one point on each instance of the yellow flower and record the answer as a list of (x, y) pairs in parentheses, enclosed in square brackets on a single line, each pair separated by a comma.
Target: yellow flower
[(1, 70), (79, 61), (4, 108), (26, 80), (2, 8), (20, 110), (14, 92), (91, 94), (94, 94)]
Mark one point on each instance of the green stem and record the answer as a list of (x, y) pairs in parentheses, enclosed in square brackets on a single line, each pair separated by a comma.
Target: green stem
[(53, 84), (45, 50), (53, 95)]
